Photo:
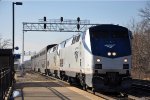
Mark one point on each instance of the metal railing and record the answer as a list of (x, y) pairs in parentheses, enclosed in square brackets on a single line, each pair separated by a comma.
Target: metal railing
[(5, 82)]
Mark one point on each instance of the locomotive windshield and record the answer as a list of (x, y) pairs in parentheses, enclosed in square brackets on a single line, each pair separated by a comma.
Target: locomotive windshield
[(110, 34), (110, 38)]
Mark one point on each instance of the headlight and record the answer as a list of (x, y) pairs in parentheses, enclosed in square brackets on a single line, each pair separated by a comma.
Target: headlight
[(125, 60), (114, 54), (98, 60), (109, 53)]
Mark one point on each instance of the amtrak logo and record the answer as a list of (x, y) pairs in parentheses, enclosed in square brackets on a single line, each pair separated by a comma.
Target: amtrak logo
[(109, 45), (76, 54)]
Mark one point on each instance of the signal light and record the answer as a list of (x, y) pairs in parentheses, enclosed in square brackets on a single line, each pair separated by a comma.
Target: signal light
[(78, 19), (45, 23), (44, 18), (61, 19)]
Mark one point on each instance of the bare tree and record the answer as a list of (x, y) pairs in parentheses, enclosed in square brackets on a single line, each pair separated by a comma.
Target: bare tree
[(141, 43), (4, 43), (145, 12)]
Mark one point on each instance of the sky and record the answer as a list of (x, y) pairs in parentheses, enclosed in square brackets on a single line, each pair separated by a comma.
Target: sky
[(97, 11)]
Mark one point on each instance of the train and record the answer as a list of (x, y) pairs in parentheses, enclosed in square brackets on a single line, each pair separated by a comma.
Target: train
[(99, 58)]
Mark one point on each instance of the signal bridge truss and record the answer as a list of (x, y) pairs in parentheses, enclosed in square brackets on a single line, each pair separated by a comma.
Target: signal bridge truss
[(56, 25), (29, 53)]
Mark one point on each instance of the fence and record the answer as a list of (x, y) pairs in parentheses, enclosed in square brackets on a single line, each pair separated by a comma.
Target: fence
[(5, 82), (6, 73)]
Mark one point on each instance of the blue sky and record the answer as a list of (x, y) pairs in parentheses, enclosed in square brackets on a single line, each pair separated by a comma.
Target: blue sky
[(97, 11)]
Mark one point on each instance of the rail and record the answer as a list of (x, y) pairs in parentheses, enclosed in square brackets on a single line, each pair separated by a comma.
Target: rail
[(6, 82), (141, 84)]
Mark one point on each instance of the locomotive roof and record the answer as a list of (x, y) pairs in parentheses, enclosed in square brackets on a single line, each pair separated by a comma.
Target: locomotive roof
[(107, 26), (45, 48), (50, 46)]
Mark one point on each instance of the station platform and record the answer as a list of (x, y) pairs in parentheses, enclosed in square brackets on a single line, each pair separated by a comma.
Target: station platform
[(33, 86)]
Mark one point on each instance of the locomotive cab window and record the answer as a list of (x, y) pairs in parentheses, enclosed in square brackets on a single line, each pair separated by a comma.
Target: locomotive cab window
[(119, 34), (55, 48), (110, 33), (73, 40), (100, 34)]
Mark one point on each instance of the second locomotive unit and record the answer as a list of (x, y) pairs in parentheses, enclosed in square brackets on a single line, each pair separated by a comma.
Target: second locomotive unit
[(99, 58)]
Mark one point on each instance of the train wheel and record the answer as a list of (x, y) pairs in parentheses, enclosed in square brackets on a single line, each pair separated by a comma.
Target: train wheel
[(83, 84), (70, 80), (93, 90), (55, 76), (46, 73), (39, 70), (84, 87), (49, 74), (63, 77)]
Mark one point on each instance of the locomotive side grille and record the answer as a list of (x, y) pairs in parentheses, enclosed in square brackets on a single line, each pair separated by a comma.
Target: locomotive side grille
[(125, 66), (112, 78), (98, 66)]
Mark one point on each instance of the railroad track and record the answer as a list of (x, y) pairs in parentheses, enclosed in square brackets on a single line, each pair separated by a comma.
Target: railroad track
[(117, 96), (141, 86), (140, 89)]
